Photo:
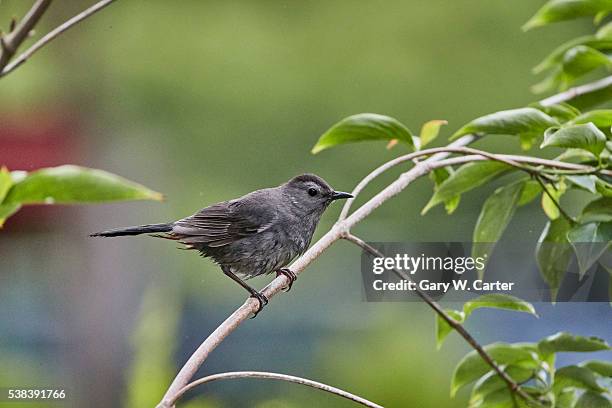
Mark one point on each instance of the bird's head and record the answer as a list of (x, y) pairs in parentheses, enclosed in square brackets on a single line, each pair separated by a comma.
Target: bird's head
[(311, 193)]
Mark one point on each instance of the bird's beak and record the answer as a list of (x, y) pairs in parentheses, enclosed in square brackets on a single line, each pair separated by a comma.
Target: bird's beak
[(339, 195)]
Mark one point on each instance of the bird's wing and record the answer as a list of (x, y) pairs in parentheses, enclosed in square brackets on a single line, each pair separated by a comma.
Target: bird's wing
[(223, 223)]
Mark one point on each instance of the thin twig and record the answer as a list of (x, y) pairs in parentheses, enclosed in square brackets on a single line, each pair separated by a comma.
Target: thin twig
[(52, 35), (273, 376), (554, 200), (392, 163), (339, 230), (11, 41), (512, 385), (511, 160), (578, 94)]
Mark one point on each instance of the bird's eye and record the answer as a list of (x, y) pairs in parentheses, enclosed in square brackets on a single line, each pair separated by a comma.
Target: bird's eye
[(312, 192)]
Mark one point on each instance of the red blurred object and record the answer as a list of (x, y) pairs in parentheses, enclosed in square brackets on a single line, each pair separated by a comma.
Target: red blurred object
[(30, 142)]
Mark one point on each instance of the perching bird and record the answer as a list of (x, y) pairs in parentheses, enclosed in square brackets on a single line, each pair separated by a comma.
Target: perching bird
[(259, 233)]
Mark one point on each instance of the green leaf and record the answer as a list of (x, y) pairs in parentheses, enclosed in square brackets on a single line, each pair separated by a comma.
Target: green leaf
[(581, 59), (498, 301), (495, 215), (577, 155), (587, 137), (566, 342), (6, 181), (605, 31), (559, 10), (544, 397), (575, 376), (73, 184), (604, 188), (438, 176), (451, 204), (584, 182), (548, 205), (602, 118), (530, 191), (555, 58), (566, 398), (362, 127), (599, 17), (472, 366), (554, 253), (603, 368), (553, 80), (599, 210), (560, 111), (574, 63), (492, 383), (527, 140), (6, 210), (550, 208), (509, 122), (590, 241), (430, 131), (443, 329), (564, 110), (591, 99), (591, 232), (501, 398), (591, 399), (467, 177)]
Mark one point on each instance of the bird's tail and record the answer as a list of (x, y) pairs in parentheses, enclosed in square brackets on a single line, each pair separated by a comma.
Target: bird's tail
[(141, 229)]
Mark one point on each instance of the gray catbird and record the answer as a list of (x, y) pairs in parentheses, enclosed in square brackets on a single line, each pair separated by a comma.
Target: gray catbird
[(258, 233)]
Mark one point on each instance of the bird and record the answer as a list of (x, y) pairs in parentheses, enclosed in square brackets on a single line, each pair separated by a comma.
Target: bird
[(256, 234)]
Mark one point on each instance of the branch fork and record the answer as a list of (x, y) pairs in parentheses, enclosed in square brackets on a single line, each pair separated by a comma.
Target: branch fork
[(436, 157), (10, 43)]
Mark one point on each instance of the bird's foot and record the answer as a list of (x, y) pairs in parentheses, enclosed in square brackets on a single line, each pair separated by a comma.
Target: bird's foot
[(289, 274), (262, 299)]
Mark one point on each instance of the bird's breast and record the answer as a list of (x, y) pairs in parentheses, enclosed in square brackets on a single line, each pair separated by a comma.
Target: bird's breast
[(300, 233)]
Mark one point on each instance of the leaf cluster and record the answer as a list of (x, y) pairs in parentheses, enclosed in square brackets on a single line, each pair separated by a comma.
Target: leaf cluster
[(530, 365), (66, 184), (584, 137), (574, 59), (581, 136)]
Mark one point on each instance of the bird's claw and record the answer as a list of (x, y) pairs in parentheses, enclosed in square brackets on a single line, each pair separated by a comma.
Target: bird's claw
[(262, 299), (289, 274)]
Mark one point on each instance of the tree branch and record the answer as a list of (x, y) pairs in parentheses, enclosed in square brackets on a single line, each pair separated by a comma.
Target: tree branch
[(6, 67), (341, 230), (512, 385), (583, 96), (458, 148), (273, 376), (337, 232), (399, 160), (11, 41)]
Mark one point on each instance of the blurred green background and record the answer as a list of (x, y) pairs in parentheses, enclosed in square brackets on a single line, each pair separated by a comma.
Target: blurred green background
[(208, 100)]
